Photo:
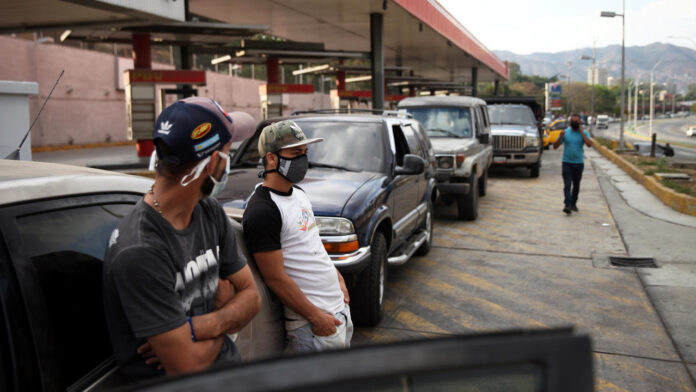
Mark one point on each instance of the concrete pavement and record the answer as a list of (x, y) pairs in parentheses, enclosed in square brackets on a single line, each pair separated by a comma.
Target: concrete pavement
[(524, 263)]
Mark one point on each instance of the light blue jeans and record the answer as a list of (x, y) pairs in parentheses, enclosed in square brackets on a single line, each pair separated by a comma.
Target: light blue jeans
[(303, 339)]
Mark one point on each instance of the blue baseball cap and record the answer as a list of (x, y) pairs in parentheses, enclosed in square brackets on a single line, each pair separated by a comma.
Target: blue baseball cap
[(193, 128)]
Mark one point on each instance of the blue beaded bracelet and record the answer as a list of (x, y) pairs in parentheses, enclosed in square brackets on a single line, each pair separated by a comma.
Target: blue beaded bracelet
[(193, 333)]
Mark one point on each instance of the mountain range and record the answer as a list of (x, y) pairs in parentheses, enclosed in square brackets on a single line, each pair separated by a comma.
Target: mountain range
[(675, 64)]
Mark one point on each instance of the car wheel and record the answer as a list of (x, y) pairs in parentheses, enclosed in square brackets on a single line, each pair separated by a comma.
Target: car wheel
[(483, 183), (467, 205), (368, 294), (534, 170), (428, 227)]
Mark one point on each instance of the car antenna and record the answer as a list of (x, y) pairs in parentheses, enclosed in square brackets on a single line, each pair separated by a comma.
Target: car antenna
[(15, 154)]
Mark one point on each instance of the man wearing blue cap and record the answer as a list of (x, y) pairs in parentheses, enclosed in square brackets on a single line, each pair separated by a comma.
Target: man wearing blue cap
[(175, 281)]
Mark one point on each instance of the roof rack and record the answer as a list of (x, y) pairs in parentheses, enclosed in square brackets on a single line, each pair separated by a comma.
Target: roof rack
[(392, 113)]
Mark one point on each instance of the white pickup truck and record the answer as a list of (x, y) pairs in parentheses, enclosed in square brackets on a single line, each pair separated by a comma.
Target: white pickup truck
[(459, 130)]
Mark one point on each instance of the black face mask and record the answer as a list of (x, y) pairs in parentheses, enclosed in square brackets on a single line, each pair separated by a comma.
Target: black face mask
[(291, 169), (575, 125)]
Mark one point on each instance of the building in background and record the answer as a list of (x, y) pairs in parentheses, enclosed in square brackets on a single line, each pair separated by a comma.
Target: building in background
[(597, 75), (611, 81)]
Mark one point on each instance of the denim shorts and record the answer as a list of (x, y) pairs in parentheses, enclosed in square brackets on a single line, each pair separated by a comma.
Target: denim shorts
[(303, 339)]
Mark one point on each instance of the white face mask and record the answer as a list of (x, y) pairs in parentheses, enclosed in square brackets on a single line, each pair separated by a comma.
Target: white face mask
[(196, 172), (220, 185)]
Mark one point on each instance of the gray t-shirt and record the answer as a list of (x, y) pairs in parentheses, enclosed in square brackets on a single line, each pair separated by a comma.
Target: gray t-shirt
[(155, 277)]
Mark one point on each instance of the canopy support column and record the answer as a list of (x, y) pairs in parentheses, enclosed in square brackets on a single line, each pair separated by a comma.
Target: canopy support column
[(377, 57)]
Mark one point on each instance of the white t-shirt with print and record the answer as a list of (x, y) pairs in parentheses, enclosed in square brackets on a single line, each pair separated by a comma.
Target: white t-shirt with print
[(274, 220)]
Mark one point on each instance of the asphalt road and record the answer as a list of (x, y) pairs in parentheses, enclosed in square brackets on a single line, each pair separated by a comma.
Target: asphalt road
[(525, 264), (671, 131)]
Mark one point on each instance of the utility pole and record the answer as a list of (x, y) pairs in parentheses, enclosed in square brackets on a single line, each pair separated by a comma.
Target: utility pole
[(635, 108), (568, 109), (629, 104)]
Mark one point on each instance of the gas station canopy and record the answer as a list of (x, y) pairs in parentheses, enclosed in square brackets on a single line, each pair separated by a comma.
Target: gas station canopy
[(418, 34)]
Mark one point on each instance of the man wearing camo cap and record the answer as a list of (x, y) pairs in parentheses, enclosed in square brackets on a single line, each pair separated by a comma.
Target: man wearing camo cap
[(282, 235)]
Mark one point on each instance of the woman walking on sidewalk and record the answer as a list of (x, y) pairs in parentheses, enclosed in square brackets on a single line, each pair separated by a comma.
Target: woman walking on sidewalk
[(574, 138)]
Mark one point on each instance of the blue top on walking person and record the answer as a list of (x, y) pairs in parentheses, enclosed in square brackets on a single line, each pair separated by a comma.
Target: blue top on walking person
[(573, 149)]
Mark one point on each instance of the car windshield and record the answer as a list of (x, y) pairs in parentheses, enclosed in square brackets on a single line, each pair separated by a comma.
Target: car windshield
[(444, 122), (347, 145), (510, 115), (350, 146)]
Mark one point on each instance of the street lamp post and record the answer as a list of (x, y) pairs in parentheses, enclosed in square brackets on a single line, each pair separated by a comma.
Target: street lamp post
[(594, 74), (652, 109), (610, 14)]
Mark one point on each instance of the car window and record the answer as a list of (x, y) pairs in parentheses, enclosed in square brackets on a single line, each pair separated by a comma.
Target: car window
[(356, 146), (513, 115), (559, 125), (414, 142), (485, 116), (401, 145), (66, 249), (444, 121)]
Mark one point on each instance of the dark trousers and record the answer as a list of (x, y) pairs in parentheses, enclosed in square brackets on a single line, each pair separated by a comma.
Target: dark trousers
[(572, 174)]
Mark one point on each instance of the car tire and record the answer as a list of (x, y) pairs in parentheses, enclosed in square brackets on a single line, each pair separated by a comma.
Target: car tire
[(467, 205), (483, 183), (368, 294), (534, 170), (427, 225)]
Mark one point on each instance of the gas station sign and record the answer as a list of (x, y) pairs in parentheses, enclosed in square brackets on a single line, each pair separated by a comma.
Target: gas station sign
[(165, 76), (289, 88), (141, 107), (555, 90), (367, 94)]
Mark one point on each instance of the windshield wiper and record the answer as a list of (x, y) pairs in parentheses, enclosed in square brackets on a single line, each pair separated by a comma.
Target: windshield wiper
[(326, 165), (448, 133)]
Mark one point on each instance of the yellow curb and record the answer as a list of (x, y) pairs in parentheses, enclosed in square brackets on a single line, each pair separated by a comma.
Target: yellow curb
[(80, 146), (678, 201)]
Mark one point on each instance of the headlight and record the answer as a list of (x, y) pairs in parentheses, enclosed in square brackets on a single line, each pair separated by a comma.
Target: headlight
[(445, 162), (532, 141), (334, 226)]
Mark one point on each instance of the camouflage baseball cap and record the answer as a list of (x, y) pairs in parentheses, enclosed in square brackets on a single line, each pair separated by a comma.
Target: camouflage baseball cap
[(283, 134)]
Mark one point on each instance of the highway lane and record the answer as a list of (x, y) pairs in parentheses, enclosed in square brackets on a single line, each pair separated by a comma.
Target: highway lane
[(671, 131)]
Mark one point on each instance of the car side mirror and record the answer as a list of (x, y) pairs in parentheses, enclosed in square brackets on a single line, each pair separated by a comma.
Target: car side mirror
[(413, 164), (483, 138)]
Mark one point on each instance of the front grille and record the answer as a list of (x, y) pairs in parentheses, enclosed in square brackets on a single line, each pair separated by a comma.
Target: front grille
[(508, 143)]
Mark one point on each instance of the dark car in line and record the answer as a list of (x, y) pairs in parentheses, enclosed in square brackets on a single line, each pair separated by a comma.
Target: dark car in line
[(372, 188)]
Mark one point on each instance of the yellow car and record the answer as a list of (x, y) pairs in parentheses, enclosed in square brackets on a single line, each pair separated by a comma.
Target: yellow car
[(552, 131)]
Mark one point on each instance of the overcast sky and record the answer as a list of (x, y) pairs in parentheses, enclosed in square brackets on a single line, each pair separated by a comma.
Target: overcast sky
[(527, 26)]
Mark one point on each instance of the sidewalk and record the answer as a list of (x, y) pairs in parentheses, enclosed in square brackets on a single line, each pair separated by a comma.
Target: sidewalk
[(651, 229), (636, 195)]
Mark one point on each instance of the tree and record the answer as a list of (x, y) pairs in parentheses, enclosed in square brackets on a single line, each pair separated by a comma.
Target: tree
[(691, 93)]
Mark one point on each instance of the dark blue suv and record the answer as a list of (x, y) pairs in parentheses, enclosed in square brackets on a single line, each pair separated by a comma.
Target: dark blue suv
[(372, 187)]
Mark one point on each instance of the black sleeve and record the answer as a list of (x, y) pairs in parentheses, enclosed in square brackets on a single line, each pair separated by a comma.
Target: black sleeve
[(262, 223), (145, 283)]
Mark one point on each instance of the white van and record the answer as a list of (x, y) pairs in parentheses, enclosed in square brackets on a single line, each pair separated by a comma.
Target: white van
[(602, 121)]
